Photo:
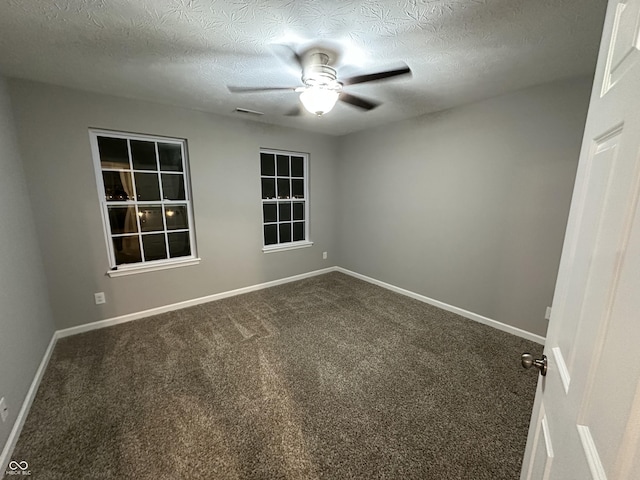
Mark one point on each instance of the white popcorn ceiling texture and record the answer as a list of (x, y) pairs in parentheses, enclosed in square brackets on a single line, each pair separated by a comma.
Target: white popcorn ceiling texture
[(185, 52)]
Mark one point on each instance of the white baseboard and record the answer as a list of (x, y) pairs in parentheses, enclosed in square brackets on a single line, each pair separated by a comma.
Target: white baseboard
[(450, 308), (5, 457), (188, 303), (231, 293)]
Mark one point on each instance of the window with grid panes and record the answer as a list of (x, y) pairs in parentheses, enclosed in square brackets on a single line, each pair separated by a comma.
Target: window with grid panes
[(144, 189), (285, 212)]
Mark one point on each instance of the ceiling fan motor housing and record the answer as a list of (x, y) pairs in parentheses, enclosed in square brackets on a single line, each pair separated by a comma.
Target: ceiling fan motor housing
[(318, 73)]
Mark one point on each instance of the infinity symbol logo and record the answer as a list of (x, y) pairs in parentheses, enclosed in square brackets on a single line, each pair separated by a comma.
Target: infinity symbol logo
[(13, 465)]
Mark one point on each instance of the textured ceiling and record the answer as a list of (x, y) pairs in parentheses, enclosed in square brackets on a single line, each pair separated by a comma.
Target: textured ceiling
[(185, 52)]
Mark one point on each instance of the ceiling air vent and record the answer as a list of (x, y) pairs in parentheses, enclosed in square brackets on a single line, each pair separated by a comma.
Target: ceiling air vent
[(250, 112)]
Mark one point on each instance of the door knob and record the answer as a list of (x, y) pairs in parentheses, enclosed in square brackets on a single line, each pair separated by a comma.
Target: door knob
[(540, 363)]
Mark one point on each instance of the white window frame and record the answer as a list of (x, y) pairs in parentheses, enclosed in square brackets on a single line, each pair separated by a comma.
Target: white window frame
[(279, 247), (144, 265)]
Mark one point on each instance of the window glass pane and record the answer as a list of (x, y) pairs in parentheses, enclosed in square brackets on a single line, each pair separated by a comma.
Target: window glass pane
[(283, 188), (267, 164), (176, 217), (147, 186), (173, 186), (154, 246), (297, 167), (179, 244), (143, 155), (123, 220), (127, 249), (298, 188), (113, 152), (283, 165), (118, 186), (285, 211), (270, 212), (285, 232), (170, 156), (150, 218), (298, 231), (270, 234), (298, 211), (268, 188)]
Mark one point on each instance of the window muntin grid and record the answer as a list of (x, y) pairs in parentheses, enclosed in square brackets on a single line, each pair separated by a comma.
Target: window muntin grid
[(144, 190), (285, 218)]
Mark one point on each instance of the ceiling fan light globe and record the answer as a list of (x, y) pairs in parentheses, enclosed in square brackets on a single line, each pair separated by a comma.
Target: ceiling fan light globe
[(319, 100)]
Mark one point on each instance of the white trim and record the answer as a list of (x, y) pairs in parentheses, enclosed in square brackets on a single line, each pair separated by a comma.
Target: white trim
[(547, 443), (607, 82), (219, 296), (187, 303), (150, 267), (26, 405), (279, 246), (450, 308), (284, 246), (94, 134), (591, 452), (547, 437), (562, 368), (136, 136)]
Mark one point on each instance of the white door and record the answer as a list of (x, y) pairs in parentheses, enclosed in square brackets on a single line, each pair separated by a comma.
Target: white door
[(586, 416)]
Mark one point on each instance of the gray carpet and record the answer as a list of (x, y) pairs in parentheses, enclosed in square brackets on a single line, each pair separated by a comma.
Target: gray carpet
[(325, 378)]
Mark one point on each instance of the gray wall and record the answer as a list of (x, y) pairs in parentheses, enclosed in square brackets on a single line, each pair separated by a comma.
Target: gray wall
[(26, 324), (53, 133), (469, 206)]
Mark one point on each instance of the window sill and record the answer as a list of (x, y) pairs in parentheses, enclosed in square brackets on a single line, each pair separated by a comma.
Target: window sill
[(288, 246), (124, 270)]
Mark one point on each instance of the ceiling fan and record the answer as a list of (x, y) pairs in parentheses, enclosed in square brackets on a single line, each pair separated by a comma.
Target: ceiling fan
[(321, 87)]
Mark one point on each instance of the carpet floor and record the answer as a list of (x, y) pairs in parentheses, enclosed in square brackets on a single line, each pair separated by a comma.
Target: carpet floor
[(325, 378)]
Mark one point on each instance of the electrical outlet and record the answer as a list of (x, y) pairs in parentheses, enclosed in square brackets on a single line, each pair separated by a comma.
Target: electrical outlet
[(324, 255), (4, 410), (547, 314), (100, 299)]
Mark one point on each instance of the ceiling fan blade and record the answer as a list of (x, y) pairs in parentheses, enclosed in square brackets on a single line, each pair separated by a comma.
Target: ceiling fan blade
[(358, 101), (372, 77), (294, 112), (287, 54), (258, 89)]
